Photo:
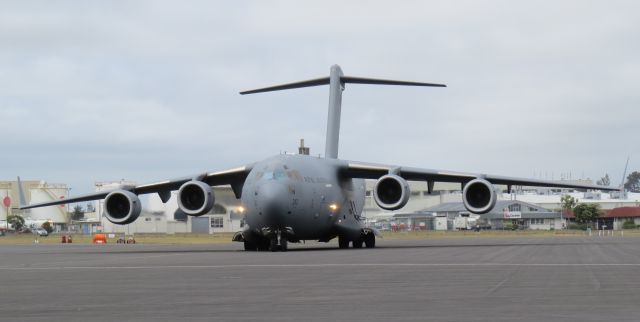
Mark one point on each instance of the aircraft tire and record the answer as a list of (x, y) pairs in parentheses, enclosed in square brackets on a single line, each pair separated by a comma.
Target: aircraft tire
[(273, 245), (370, 241), (357, 243), (249, 246), (343, 243), (263, 245), (284, 245)]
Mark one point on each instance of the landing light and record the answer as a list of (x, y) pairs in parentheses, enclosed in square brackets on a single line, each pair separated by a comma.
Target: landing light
[(333, 207), (241, 209)]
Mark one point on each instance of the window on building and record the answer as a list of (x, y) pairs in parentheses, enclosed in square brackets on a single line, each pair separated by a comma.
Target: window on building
[(218, 209), (533, 209), (217, 222), (147, 219), (514, 207), (537, 221)]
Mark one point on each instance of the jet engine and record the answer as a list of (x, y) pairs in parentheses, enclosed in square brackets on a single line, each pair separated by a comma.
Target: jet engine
[(391, 192), (479, 196), (195, 198), (122, 207)]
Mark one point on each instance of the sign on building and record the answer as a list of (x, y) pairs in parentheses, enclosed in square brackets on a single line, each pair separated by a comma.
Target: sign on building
[(512, 214)]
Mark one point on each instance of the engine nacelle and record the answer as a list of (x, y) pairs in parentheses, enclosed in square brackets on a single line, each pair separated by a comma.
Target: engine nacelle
[(195, 198), (122, 207), (479, 196), (391, 192)]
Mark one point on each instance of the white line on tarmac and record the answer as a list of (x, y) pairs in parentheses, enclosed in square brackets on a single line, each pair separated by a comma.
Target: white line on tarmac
[(15, 268)]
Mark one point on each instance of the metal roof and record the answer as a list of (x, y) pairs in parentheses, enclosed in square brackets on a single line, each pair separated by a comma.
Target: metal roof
[(496, 213)]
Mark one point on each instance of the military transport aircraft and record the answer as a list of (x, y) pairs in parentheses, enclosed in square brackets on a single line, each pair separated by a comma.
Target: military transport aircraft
[(291, 198)]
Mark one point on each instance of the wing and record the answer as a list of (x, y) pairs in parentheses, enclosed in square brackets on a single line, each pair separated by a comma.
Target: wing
[(234, 177), (365, 170)]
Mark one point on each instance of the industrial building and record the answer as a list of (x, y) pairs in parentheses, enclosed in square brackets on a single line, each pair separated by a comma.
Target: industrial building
[(528, 208), (507, 214), (158, 217), (35, 191)]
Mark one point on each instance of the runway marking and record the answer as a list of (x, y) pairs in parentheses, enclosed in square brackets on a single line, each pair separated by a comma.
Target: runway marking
[(15, 268)]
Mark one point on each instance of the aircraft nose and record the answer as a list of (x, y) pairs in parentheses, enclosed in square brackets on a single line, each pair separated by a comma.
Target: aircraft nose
[(273, 199)]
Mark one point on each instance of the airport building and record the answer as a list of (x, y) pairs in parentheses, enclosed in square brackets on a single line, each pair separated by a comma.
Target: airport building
[(159, 217), (35, 191), (539, 209), (426, 211)]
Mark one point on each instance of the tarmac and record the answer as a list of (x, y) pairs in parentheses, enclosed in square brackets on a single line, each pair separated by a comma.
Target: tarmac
[(446, 279)]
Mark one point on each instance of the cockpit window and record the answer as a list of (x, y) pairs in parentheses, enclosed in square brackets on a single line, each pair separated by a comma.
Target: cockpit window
[(279, 174), (274, 175)]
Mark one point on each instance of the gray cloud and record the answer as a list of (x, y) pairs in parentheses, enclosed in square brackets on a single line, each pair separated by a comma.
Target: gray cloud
[(148, 89)]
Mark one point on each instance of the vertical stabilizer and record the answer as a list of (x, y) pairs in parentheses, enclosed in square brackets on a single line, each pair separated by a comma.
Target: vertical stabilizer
[(333, 119), (336, 81)]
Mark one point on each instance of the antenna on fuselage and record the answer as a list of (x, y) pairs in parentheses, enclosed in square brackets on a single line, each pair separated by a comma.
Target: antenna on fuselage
[(336, 81), (304, 150)]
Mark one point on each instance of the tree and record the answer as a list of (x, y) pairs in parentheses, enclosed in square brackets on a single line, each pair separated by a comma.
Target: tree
[(78, 213), (47, 226), (568, 202), (604, 181), (633, 182), (586, 212), (16, 221)]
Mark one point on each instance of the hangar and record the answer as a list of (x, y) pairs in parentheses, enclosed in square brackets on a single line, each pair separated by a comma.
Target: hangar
[(507, 214), (159, 217), (35, 191)]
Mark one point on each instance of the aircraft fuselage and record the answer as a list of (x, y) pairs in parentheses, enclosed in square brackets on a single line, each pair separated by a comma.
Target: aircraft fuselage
[(302, 196)]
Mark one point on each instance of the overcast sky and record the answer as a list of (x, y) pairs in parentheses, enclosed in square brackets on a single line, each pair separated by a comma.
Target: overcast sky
[(148, 90)]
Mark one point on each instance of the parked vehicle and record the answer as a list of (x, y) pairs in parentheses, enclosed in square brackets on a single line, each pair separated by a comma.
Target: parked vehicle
[(40, 232)]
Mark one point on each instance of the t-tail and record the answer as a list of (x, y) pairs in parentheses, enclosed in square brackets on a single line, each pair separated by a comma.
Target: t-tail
[(336, 81)]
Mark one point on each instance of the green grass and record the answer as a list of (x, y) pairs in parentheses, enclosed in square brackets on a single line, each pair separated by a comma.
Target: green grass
[(219, 238), (403, 235), (224, 238)]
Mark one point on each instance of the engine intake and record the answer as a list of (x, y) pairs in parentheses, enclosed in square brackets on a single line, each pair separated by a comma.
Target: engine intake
[(391, 192), (122, 207), (479, 196), (195, 198)]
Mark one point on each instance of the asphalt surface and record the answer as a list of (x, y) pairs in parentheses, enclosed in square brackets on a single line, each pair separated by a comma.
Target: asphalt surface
[(472, 279)]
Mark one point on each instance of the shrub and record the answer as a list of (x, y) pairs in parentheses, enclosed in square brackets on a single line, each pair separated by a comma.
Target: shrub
[(629, 224), (580, 226), (47, 226)]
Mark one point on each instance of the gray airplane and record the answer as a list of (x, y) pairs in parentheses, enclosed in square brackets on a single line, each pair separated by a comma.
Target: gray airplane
[(291, 198)]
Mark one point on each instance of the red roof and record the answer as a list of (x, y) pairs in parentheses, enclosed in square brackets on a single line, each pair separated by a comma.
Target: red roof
[(622, 212)]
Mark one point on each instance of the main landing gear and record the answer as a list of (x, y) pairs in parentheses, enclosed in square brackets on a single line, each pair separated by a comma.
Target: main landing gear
[(368, 240)]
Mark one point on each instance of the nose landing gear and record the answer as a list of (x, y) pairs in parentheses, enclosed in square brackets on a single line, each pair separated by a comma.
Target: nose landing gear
[(278, 242)]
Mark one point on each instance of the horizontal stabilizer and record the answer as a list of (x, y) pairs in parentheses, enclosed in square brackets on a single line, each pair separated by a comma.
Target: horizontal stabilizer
[(307, 83), (343, 80), (373, 81)]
